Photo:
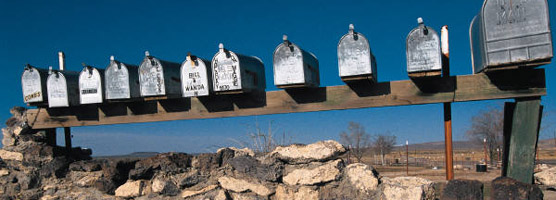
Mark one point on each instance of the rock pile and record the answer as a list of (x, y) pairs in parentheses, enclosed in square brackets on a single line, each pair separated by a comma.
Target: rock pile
[(31, 169)]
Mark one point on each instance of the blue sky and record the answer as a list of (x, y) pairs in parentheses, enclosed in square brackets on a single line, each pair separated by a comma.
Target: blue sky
[(90, 31)]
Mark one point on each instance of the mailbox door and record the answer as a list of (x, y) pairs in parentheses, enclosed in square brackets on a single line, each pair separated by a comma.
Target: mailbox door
[(516, 31), (194, 78), (226, 72), (151, 78), (117, 81), (423, 50), (354, 55), (90, 86), (32, 86), (288, 65), (57, 90)]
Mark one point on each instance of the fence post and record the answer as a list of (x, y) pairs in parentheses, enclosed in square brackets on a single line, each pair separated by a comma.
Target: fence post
[(521, 132)]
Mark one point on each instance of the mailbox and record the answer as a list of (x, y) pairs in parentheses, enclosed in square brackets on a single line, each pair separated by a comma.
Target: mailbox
[(158, 77), (62, 88), (294, 67), (90, 85), (236, 73), (121, 80), (33, 83), (511, 33), (423, 52), (355, 58), (195, 77)]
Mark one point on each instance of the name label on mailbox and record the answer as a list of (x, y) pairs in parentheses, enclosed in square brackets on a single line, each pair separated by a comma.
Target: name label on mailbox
[(151, 78), (288, 65), (32, 86), (354, 55), (194, 78), (57, 90), (226, 72), (423, 50), (90, 86), (117, 82)]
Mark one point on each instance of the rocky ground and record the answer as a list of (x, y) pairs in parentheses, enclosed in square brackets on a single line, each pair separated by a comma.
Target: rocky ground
[(31, 169)]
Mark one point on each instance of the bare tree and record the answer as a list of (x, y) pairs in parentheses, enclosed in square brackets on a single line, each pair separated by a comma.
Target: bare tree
[(489, 125), (383, 144), (356, 139)]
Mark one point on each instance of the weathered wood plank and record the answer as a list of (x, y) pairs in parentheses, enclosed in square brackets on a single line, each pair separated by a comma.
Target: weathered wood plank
[(515, 84), (520, 138)]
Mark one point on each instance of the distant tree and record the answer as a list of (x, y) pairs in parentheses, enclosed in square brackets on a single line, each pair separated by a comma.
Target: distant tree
[(489, 125), (356, 139), (383, 144)]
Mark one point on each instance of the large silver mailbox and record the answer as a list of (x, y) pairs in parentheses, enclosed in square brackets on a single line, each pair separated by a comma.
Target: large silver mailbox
[(158, 77), (236, 73), (511, 33), (90, 85), (355, 58), (33, 84), (62, 88), (423, 51), (196, 79), (121, 80), (294, 67)]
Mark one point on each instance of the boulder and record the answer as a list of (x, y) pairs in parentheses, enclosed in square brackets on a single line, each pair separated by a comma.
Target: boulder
[(188, 179), (190, 193), (4, 172), (207, 162), (9, 155), (300, 193), (407, 188), (171, 163), (238, 152), (251, 167), (87, 165), (246, 196), (84, 179), (114, 174), (239, 185), (321, 174), (508, 188), (320, 151), (363, 177), (8, 138), (463, 189), (131, 189), (546, 177), (164, 187)]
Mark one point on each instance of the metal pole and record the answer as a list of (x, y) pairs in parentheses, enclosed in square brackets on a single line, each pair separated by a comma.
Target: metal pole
[(485, 150), (407, 158), (447, 106)]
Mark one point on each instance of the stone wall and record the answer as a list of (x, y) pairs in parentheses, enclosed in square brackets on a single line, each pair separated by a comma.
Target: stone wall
[(31, 169)]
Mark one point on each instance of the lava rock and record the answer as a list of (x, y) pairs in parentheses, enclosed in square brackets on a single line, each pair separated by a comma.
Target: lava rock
[(463, 189), (171, 163), (508, 188)]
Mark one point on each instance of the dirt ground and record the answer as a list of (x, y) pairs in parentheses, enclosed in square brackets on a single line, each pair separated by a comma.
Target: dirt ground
[(429, 164)]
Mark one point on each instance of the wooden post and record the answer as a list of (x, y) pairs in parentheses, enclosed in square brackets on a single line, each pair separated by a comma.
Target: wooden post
[(51, 136), (447, 107), (521, 133), (67, 132)]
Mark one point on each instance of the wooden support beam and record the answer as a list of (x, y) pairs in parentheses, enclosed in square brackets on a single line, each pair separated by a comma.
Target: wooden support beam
[(51, 136), (521, 133), (67, 134), (499, 85)]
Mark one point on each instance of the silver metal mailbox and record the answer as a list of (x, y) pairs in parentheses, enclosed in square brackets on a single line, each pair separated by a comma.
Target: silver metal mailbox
[(236, 73), (121, 80), (33, 84), (62, 88), (90, 85), (158, 77), (423, 51), (196, 79), (510, 33), (294, 67), (355, 58)]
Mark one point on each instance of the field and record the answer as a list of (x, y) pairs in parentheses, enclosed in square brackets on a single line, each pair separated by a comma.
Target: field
[(427, 161)]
